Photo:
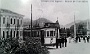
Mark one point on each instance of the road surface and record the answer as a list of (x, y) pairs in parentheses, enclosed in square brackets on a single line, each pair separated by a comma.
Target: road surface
[(72, 48)]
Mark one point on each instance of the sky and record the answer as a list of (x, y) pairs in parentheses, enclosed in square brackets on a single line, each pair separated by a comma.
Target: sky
[(64, 11)]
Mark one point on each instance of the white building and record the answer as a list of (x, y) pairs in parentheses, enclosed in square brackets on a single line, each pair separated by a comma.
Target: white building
[(10, 24)]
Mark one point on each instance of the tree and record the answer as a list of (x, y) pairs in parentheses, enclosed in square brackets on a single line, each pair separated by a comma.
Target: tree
[(68, 32), (30, 46)]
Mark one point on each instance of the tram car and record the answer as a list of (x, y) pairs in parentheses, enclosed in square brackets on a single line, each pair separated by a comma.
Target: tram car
[(35, 33), (49, 34)]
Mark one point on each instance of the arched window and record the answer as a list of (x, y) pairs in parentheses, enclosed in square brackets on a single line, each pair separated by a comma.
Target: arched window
[(14, 33), (21, 21), (7, 34), (11, 20), (3, 20), (3, 34), (51, 33), (11, 34), (18, 22), (14, 21), (47, 33)]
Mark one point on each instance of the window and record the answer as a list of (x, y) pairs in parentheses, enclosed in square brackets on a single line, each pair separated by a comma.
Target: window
[(11, 34), (18, 21), (14, 33), (11, 20), (54, 33), (47, 33), (21, 33), (4, 20), (3, 34), (51, 33), (7, 35), (14, 21), (21, 21)]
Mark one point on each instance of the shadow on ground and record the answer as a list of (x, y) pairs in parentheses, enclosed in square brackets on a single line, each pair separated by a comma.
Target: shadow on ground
[(51, 48)]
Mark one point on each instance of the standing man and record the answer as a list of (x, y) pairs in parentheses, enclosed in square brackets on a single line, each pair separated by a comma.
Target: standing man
[(79, 39), (60, 42), (84, 39), (57, 41), (88, 39), (65, 40), (76, 39)]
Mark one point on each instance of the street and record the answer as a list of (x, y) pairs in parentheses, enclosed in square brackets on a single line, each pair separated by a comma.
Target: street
[(72, 48)]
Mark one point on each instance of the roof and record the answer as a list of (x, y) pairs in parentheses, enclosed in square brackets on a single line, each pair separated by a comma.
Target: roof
[(8, 11), (51, 25)]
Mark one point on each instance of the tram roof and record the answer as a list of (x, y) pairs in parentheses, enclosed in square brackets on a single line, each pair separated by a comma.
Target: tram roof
[(47, 25)]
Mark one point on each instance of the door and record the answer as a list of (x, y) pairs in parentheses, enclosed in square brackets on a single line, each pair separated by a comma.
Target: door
[(42, 37)]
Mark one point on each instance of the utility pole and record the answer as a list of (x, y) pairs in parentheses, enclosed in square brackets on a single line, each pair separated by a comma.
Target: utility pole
[(31, 19), (74, 27), (88, 30), (87, 27)]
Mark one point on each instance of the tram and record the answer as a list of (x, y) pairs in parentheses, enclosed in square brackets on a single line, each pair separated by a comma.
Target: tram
[(49, 35)]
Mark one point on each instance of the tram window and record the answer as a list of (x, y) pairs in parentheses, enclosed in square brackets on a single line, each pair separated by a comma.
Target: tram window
[(47, 33), (37, 34), (51, 33), (54, 33)]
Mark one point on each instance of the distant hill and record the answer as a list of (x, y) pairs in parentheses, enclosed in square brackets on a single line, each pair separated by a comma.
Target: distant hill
[(61, 26), (40, 21), (26, 21), (84, 22), (72, 23)]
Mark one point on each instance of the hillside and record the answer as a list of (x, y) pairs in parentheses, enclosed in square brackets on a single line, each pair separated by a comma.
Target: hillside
[(72, 23), (39, 21), (84, 22)]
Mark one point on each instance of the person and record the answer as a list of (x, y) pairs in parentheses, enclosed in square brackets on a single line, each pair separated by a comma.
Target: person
[(57, 43), (65, 40), (79, 39), (60, 42), (51, 40), (88, 39), (84, 40), (70, 39), (76, 39)]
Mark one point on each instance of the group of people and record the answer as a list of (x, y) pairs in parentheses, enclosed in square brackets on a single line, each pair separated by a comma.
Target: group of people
[(62, 42), (85, 39)]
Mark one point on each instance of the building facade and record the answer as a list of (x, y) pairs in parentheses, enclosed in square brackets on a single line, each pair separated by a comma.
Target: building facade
[(10, 24)]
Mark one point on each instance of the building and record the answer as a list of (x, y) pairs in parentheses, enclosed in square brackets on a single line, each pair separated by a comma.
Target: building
[(10, 24)]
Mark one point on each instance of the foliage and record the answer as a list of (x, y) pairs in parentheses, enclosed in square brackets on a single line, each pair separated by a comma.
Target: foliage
[(9, 46), (81, 29), (68, 32), (29, 46), (35, 45)]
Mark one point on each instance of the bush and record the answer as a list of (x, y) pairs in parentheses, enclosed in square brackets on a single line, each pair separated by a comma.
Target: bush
[(30, 46), (34, 44)]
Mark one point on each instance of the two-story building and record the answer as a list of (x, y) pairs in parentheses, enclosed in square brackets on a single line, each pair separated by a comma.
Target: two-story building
[(10, 24)]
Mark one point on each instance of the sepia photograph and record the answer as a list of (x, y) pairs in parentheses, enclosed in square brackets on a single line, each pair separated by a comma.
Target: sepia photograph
[(44, 26)]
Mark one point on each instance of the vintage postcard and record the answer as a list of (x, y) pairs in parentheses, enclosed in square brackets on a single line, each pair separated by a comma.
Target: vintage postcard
[(44, 27)]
